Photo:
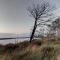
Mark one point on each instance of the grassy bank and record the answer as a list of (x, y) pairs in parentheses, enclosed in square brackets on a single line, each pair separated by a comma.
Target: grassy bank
[(37, 50)]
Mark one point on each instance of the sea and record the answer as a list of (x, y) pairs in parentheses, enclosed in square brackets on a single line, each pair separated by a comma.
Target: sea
[(13, 41)]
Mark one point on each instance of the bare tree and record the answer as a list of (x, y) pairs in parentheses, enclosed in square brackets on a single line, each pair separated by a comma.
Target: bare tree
[(38, 12), (56, 26)]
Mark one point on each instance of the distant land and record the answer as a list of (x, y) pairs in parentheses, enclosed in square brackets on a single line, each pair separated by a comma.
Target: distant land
[(11, 35), (6, 38)]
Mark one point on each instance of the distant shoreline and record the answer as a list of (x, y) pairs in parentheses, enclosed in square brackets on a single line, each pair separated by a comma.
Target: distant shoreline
[(13, 38)]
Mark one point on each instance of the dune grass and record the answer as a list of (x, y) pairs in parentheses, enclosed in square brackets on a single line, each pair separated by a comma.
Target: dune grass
[(37, 50)]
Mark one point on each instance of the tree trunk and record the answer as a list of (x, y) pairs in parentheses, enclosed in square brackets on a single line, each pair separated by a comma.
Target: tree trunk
[(33, 31)]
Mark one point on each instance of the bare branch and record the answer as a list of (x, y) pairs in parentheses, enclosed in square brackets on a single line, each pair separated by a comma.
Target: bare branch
[(37, 11)]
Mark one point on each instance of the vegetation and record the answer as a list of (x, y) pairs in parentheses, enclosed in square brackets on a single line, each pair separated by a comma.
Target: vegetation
[(38, 12), (37, 50)]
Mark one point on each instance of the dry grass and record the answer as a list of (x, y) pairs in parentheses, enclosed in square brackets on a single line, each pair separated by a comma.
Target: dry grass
[(37, 50)]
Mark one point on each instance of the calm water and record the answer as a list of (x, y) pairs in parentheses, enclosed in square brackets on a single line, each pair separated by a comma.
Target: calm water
[(12, 41)]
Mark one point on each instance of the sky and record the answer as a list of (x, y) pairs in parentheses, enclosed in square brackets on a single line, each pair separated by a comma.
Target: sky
[(14, 17)]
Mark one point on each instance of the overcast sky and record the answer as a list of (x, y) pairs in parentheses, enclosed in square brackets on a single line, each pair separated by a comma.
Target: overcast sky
[(14, 17)]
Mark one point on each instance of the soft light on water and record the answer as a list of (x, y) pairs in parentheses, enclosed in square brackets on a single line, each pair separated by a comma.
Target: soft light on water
[(12, 41)]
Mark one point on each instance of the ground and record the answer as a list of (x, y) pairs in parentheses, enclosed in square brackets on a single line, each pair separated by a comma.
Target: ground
[(36, 50)]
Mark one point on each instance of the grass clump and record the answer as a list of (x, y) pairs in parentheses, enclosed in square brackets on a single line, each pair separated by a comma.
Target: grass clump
[(10, 48), (1, 49), (36, 50)]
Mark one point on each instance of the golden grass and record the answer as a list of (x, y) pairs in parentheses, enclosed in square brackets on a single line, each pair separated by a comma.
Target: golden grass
[(36, 50)]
